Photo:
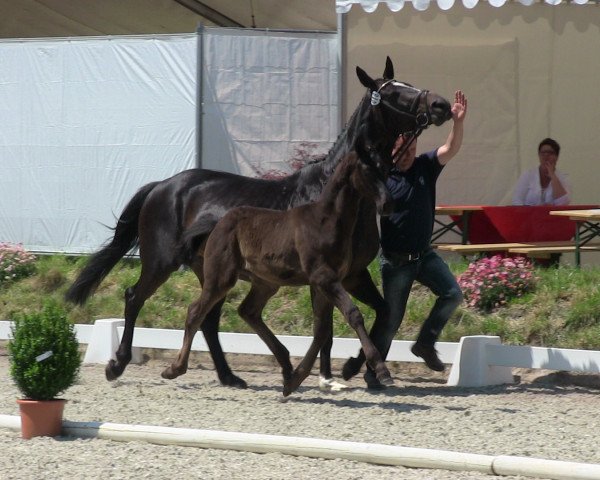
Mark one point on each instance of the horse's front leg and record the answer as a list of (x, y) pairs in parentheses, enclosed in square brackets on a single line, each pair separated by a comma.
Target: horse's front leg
[(323, 313), (361, 287), (334, 291), (322, 340)]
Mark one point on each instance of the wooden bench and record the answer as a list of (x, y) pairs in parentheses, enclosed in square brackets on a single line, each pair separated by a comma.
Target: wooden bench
[(542, 250), (479, 247), (550, 251)]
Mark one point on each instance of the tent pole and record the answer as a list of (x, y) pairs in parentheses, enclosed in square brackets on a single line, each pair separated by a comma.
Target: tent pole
[(199, 92), (341, 35)]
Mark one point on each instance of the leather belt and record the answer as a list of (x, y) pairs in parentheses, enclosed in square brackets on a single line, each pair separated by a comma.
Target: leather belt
[(402, 257)]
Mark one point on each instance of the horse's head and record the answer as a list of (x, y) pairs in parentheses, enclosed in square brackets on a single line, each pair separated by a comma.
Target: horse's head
[(400, 107)]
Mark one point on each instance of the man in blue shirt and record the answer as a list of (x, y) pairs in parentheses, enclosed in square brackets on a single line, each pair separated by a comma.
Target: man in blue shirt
[(406, 243)]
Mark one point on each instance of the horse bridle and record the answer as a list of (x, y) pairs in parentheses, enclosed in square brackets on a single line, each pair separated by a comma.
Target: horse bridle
[(422, 119)]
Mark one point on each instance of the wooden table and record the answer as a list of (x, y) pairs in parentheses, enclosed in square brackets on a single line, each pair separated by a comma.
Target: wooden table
[(462, 211), (587, 227)]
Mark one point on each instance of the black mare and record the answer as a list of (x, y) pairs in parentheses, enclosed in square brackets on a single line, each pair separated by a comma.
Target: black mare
[(161, 214)]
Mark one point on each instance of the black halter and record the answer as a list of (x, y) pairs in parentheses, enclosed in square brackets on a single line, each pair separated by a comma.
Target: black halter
[(422, 120)]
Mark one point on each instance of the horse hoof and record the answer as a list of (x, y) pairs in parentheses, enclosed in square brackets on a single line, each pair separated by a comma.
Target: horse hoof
[(169, 373), (111, 372), (234, 381), (351, 367), (386, 379), (330, 385)]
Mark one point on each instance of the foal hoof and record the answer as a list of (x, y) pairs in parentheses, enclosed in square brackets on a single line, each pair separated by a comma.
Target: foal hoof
[(330, 385), (385, 379), (287, 391), (170, 373), (351, 367)]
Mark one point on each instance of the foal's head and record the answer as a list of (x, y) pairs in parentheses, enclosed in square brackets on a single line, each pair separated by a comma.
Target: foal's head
[(369, 175), (399, 107)]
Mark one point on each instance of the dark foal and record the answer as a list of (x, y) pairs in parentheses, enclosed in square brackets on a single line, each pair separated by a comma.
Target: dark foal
[(307, 245), (170, 220)]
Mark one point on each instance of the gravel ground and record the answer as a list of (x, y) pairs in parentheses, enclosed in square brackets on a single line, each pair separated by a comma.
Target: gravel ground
[(545, 415)]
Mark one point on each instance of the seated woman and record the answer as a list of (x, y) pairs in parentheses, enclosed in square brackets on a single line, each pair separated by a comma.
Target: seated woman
[(543, 185)]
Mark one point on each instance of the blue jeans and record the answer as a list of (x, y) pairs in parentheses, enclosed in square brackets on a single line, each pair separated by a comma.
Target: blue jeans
[(397, 279)]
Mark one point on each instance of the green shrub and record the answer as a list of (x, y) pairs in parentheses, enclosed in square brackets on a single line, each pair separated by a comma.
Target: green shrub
[(44, 353)]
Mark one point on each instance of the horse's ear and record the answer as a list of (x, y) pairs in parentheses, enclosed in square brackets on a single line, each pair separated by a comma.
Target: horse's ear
[(366, 80), (388, 73)]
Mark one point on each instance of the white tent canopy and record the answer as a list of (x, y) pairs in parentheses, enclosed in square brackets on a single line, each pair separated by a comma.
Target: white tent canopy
[(60, 18), (369, 6)]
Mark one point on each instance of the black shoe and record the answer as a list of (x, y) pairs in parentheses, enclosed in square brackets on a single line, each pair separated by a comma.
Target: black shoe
[(372, 382), (429, 355)]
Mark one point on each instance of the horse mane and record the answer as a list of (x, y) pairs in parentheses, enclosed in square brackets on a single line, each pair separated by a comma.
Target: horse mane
[(319, 171)]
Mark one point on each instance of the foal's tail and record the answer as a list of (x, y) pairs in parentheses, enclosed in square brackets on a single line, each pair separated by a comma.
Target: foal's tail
[(196, 235), (124, 240)]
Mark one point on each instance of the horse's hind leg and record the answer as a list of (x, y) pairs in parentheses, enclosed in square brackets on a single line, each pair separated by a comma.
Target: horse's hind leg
[(362, 288), (197, 311), (150, 279), (210, 330), (251, 311)]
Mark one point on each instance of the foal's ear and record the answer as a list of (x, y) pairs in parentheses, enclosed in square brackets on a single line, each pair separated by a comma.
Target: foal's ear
[(366, 80), (388, 73)]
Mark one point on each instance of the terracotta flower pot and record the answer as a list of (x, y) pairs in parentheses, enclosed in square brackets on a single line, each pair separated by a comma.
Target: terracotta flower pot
[(41, 418)]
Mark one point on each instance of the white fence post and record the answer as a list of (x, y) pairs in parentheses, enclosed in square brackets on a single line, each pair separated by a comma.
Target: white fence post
[(104, 342), (471, 367)]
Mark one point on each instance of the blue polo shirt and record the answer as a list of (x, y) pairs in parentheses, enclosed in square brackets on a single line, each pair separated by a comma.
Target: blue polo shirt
[(408, 229)]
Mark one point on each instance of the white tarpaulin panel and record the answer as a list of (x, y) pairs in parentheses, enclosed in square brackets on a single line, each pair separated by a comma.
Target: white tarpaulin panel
[(268, 96), (83, 124)]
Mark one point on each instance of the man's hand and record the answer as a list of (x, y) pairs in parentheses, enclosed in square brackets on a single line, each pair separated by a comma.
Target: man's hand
[(549, 167), (459, 108)]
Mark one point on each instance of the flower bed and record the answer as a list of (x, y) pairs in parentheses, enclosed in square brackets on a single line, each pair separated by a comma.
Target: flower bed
[(489, 283)]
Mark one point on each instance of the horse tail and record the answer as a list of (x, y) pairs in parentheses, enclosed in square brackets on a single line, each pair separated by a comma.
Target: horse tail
[(102, 262), (194, 236)]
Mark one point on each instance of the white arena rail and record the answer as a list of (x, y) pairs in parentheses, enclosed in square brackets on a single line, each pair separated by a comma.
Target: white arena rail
[(476, 360)]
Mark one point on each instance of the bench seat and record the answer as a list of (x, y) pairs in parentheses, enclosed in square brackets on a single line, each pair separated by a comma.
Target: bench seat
[(531, 249), (549, 251)]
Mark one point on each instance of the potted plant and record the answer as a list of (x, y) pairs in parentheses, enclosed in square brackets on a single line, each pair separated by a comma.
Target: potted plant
[(44, 361)]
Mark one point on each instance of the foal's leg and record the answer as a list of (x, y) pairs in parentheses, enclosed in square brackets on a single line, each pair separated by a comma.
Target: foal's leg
[(323, 308), (362, 288), (210, 330), (323, 312), (334, 291), (322, 332), (250, 310), (197, 311), (220, 279)]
